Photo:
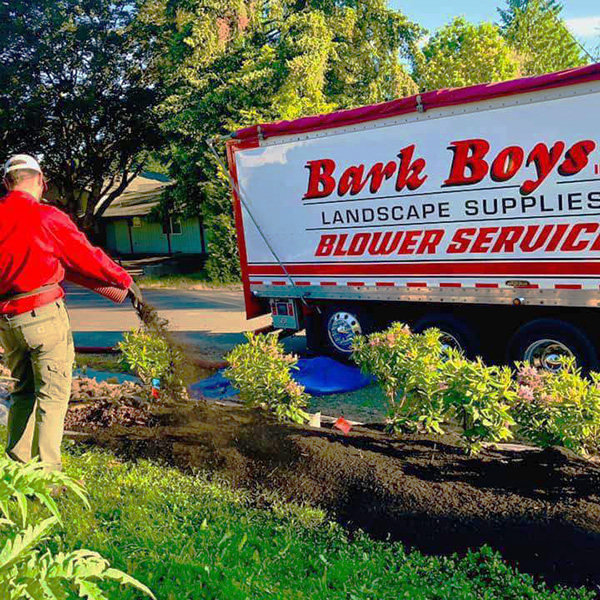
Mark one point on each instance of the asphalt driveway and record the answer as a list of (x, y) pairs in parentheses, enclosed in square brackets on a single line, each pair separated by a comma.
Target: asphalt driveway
[(213, 321)]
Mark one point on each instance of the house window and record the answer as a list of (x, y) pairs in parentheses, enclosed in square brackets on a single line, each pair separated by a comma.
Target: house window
[(172, 227)]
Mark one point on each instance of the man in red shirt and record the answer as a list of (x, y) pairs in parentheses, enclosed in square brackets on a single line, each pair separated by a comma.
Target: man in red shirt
[(39, 246)]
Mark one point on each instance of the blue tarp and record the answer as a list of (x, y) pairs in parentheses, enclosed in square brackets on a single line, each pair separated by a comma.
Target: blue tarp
[(320, 376)]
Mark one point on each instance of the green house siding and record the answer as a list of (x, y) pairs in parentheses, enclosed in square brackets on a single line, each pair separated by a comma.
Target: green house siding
[(149, 238), (189, 241)]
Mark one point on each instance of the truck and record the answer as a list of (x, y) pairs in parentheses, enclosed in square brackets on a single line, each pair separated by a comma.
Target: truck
[(472, 210)]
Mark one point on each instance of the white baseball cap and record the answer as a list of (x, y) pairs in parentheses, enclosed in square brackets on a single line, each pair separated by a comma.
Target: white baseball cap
[(21, 161)]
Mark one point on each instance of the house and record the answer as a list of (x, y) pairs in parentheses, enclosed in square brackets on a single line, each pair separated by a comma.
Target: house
[(129, 229)]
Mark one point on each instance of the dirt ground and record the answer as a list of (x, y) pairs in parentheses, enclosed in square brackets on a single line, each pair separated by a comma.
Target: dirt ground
[(540, 509)]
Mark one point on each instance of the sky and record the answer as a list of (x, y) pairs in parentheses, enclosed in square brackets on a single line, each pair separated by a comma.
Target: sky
[(582, 16)]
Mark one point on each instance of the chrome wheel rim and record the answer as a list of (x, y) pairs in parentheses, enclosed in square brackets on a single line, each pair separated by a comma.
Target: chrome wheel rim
[(547, 354), (342, 329), (449, 342)]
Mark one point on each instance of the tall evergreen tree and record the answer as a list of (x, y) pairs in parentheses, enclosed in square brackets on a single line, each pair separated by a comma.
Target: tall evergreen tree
[(539, 35), (508, 13)]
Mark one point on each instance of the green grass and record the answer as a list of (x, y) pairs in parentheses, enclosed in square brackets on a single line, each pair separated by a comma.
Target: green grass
[(368, 404), (199, 280), (193, 537), (101, 362)]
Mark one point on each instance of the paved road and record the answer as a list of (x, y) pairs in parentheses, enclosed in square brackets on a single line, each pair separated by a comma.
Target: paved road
[(210, 320)]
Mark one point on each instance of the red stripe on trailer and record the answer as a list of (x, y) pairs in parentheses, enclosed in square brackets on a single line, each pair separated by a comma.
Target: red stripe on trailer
[(356, 283), (278, 283), (328, 283), (450, 285), (531, 286), (385, 284), (568, 286), (465, 268), (487, 285), (256, 283), (302, 283), (416, 284)]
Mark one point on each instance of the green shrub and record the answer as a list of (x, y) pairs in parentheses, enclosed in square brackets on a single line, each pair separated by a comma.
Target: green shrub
[(409, 369), (26, 573), (558, 409), (479, 398), (153, 355), (146, 354), (260, 369), (223, 264), (427, 385)]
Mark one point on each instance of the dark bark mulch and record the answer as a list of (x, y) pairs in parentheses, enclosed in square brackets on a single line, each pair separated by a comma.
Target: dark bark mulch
[(540, 509)]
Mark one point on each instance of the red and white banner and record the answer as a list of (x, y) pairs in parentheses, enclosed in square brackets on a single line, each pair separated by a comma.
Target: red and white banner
[(504, 188)]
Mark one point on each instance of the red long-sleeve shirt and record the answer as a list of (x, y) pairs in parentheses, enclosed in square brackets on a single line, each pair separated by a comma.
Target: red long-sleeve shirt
[(38, 243)]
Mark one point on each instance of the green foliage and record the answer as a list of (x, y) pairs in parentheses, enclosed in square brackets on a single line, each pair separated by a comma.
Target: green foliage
[(558, 409), (428, 385), (28, 573), (147, 354), (223, 264), (479, 398), (408, 369), (508, 14), (541, 38), (260, 369), (79, 86), (463, 53), (233, 63), (193, 537)]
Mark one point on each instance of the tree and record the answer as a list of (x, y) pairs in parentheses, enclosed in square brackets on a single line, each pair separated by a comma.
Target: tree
[(462, 53), (235, 63), (537, 33), (508, 14), (77, 87)]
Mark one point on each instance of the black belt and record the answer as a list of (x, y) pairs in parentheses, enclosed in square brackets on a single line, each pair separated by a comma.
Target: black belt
[(41, 290)]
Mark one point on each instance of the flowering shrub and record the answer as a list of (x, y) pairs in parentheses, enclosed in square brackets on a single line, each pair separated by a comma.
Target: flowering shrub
[(409, 369), (427, 385), (260, 369), (561, 408), (479, 398)]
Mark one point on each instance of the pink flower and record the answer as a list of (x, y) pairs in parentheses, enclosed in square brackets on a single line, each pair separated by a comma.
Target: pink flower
[(548, 399), (526, 393)]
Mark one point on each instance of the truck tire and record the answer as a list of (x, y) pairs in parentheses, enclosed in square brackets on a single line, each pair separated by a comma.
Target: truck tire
[(542, 341), (456, 333), (341, 325), (315, 333)]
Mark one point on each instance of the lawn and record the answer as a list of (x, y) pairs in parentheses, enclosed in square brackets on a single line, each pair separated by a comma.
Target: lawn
[(191, 281), (193, 537), (112, 363)]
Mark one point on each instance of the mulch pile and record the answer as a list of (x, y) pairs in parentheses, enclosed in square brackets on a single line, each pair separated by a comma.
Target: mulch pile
[(540, 509), (100, 404)]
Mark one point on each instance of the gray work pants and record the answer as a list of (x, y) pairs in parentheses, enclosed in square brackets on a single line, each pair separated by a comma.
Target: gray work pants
[(39, 351)]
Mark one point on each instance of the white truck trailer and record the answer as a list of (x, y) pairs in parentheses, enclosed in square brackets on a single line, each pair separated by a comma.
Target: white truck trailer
[(473, 210)]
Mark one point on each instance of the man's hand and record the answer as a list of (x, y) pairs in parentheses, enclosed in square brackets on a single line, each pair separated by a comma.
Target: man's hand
[(135, 295)]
